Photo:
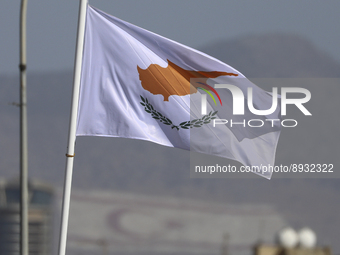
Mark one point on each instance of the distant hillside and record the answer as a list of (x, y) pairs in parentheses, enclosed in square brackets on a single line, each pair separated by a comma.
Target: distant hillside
[(275, 55), (142, 167)]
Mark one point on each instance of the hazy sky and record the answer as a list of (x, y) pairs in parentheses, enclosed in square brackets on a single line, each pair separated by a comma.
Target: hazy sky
[(52, 25)]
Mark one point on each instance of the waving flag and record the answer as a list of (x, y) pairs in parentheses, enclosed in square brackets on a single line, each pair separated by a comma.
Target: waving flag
[(137, 84)]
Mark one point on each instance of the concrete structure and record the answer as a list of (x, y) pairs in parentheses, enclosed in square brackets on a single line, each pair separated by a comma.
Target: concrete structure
[(121, 223)]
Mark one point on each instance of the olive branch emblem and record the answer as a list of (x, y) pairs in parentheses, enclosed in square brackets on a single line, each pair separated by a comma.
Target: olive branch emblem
[(206, 119)]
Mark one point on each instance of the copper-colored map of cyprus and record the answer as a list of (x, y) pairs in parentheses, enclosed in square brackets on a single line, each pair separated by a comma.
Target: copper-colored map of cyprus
[(174, 80)]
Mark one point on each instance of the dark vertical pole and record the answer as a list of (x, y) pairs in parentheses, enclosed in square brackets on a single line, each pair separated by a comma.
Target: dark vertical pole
[(23, 134)]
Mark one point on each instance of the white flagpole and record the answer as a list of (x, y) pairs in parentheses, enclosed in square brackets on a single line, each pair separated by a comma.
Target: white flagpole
[(72, 127)]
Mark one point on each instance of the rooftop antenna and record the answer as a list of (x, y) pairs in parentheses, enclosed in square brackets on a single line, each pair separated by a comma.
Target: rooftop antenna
[(23, 135)]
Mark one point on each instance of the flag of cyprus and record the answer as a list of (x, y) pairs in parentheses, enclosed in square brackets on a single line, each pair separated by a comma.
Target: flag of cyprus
[(137, 84)]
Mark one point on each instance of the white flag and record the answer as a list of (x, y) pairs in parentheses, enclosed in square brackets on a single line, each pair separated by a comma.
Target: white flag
[(137, 84)]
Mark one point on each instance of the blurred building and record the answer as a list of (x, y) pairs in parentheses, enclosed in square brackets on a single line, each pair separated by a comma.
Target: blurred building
[(279, 250), (290, 242), (39, 218)]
